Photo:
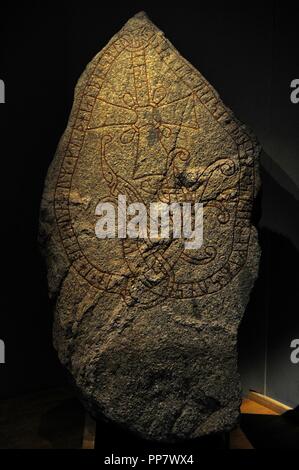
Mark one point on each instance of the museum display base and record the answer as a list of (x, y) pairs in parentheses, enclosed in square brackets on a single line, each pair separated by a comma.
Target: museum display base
[(272, 432), (55, 419)]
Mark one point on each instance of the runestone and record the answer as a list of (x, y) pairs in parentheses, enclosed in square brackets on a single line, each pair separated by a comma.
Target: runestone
[(148, 329)]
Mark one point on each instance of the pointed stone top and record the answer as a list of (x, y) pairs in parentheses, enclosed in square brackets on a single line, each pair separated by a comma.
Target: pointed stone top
[(142, 15), (139, 19)]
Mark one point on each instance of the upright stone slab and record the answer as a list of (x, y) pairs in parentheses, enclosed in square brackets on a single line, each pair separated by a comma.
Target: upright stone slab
[(148, 329)]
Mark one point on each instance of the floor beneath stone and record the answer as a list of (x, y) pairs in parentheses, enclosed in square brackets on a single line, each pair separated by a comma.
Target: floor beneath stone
[(55, 419)]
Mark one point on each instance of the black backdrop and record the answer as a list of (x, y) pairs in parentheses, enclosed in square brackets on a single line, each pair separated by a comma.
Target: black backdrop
[(249, 53)]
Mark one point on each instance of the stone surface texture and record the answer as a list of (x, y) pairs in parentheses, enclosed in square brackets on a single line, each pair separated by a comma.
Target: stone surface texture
[(148, 330)]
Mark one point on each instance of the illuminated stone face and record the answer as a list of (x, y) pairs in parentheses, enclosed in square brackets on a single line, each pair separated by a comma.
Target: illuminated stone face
[(147, 125)]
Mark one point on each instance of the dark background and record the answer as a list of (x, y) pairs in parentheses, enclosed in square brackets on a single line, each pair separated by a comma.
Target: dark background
[(249, 52)]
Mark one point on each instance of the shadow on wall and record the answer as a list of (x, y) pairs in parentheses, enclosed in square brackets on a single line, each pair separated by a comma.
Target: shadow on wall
[(271, 320)]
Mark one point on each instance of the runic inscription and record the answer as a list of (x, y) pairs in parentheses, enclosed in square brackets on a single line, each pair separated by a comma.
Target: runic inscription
[(147, 119)]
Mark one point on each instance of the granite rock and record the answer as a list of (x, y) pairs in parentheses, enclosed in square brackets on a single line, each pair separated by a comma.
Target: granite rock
[(148, 329)]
